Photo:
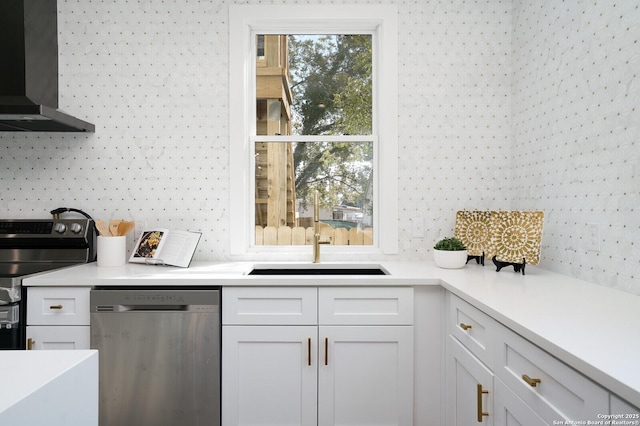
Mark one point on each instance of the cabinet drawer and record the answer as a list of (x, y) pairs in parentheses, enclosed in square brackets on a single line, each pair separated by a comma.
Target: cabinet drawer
[(46, 337), (475, 329), (58, 306), (365, 306), (551, 388), (269, 305)]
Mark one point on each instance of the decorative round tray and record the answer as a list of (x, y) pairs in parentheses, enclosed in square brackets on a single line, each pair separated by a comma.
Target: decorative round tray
[(473, 228), (510, 236), (516, 236)]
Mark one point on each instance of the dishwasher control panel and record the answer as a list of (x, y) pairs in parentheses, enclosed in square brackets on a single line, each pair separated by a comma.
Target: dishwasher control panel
[(125, 300)]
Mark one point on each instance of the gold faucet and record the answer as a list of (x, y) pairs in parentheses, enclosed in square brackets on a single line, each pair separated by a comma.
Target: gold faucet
[(316, 231)]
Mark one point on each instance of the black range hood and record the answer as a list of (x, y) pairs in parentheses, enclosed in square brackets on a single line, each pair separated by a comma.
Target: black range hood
[(29, 69)]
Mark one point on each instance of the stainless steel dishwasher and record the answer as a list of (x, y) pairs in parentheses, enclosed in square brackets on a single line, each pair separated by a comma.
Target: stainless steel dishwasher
[(159, 355)]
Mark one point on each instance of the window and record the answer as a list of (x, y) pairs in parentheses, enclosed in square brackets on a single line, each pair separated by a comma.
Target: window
[(288, 143)]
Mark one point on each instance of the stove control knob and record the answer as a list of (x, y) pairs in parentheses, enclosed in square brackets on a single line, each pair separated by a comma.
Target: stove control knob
[(76, 228), (60, 227)]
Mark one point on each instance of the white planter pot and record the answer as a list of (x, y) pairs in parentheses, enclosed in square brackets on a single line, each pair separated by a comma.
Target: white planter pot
[(450, 259)]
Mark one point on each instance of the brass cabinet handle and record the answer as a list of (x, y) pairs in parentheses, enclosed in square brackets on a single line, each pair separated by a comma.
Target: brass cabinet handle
[(309, 351), (55, 307), (464, 326), (481, 412), (326, 351), (30, 343), (531, 382)]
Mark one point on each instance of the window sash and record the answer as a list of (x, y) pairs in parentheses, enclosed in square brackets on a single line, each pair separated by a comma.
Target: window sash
[(245, 22)]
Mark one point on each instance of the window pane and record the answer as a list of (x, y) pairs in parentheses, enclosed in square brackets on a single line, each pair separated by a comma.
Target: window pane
[(260, 47), (314, 84), (289, 173)]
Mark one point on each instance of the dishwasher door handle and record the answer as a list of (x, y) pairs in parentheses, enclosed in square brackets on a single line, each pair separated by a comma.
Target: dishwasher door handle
[(120, 308), (153, 308)]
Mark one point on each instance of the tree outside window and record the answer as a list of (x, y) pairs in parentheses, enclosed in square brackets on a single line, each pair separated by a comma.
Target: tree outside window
[(315, 85)]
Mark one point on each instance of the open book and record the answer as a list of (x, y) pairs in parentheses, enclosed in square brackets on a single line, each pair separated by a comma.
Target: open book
[(165, 247)]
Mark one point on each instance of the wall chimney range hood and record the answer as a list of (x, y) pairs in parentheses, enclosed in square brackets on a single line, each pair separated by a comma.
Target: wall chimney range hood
[(29, 70)]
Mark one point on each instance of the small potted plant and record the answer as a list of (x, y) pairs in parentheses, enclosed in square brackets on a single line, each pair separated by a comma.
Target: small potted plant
[(450, 253)]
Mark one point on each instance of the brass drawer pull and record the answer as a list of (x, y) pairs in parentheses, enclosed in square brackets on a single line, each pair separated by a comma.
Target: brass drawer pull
[(326, 351), (30, 344), (55, 307), (531, 382), (464, 326), (481, 412)]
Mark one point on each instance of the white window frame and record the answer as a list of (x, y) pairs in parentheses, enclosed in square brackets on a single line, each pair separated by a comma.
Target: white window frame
[(245, 21)]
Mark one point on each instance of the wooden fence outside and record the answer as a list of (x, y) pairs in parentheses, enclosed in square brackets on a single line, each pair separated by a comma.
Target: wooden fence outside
[(300, 236)]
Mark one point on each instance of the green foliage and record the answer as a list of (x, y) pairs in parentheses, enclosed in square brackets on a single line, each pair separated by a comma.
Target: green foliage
[(331, 79), (339, 171), (331, 83), (450, 244), (354, 100)]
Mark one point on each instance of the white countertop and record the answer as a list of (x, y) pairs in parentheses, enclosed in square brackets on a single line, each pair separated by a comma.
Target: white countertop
[(59, 386), (228, 274), (594, 329)]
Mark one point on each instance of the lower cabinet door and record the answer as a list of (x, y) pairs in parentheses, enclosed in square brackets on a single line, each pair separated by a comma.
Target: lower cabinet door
[(365, 376), (469, 382), (511, 410), (67, 337), (269, 375)]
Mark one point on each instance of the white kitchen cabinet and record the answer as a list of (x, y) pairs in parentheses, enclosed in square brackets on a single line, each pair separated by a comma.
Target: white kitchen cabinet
[(531, 386), (269, 375), (41, 337), (365, 375), (349, 372), (58, 318), (469, 387)]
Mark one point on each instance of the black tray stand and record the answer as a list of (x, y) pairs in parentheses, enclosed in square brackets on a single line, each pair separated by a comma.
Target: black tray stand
[(479, 259), (518, 267)]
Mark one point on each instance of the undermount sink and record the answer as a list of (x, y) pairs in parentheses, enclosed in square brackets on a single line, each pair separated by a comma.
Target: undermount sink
[(318, 269)]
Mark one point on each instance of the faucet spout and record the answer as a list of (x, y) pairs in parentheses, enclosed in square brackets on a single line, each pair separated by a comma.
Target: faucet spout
[(316, 231), (316, 241)]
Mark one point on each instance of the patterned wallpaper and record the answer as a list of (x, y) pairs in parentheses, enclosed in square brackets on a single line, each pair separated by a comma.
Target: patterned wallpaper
[(503, 104), (576, 125)]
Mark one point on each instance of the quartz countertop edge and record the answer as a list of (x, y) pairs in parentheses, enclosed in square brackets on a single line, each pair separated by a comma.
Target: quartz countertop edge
[(578, 322), (29, 371)]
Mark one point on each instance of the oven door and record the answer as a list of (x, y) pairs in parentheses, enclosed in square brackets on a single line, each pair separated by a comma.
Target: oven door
[(10, 330)]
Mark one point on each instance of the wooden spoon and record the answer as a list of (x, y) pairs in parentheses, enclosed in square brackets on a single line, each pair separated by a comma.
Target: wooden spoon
[(125, 227), (113, 226), (102, 227)]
